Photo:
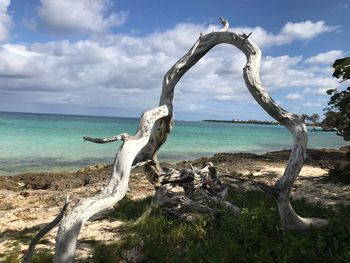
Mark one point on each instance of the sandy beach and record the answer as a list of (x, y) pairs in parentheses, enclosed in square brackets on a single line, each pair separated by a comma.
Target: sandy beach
[(29, 201)]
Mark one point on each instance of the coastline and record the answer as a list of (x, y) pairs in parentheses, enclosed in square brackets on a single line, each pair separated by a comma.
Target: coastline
[(28, 201), (318, 125)]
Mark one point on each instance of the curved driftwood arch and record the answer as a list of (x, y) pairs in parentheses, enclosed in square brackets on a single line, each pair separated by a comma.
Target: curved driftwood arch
[(294, 123), (156, 124)]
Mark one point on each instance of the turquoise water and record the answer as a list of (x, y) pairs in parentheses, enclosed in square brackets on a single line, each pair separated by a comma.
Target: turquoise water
[(47, 142)]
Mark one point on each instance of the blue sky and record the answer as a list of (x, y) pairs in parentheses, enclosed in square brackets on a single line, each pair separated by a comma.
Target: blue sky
[(103, 57)]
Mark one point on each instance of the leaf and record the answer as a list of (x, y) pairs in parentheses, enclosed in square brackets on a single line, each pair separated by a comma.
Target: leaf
[(342, 68), (343, 103), (346, 134), (342, 62), (331, 91)]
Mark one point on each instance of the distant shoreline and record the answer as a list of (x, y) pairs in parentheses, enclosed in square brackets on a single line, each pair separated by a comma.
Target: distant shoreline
[(260, 122), (245, 122)]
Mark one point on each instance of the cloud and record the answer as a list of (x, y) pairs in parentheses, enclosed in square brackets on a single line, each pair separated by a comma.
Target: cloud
[(290, 32), (122, 75), (312, 104), (304, 30), (326, 58), (294, 96), (5, 20), (78, 16)]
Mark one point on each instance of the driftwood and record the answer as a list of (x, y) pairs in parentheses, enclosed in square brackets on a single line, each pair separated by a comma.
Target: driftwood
[(189, 189), (184, 193), (28, 256), (293, 122), (116, 189)]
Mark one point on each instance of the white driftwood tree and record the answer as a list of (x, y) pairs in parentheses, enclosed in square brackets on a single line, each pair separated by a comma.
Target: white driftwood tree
[(156, 124), (294, 123), (116, 189)]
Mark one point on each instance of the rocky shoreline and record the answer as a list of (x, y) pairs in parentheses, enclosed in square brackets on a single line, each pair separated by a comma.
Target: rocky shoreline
[(323, 158), (29, 201)]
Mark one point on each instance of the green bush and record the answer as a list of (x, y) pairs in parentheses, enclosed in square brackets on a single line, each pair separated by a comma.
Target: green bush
[(105, 253)]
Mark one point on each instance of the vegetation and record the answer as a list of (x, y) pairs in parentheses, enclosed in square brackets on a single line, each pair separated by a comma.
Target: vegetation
[(13, 257), (40, 257), (128, 209), (43, 257), (337, 116), (313, 119), (255, 236), (338, 110)]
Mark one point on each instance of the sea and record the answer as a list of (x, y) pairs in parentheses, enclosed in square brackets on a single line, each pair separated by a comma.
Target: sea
[(52, 142)]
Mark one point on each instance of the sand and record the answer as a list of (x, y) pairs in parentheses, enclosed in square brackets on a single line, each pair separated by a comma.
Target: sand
[(29, 201)]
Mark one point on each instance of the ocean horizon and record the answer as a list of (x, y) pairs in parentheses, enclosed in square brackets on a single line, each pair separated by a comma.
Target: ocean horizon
[(43, 142)]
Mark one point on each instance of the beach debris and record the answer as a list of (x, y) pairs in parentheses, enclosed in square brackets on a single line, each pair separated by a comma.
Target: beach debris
[(187, 193)]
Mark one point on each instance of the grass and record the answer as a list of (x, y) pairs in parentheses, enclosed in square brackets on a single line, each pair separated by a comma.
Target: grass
[(128, 209), (43, 257), (255, 236), (38, 257)]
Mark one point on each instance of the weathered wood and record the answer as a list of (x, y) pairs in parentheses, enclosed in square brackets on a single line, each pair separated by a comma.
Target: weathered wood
[(116, 189), (44, 231), (251, 76), (200, 186), (186, 193)]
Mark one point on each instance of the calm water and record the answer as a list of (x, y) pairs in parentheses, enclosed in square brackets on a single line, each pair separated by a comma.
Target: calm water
[(46, 142)]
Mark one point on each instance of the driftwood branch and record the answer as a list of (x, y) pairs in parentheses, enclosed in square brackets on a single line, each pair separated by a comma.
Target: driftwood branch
[(225, 23), (116, 189), (120, 137), (44, 231), (186, 193), (292, 122)]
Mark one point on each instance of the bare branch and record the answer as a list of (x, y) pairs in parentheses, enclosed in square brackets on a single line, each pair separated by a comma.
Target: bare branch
[(44, 231), (120, 137), (225, 23)]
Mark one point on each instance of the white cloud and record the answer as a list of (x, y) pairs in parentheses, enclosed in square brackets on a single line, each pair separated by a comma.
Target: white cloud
[(312, 104), (122, 75), (82, 16), (5, 20), (294, 96), (290, 32), (326, 58), (285, 72), (304, 30)]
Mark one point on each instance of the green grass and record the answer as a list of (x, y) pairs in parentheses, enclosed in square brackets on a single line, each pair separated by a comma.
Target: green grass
[(43, 257), (128, 209), (255, 236)]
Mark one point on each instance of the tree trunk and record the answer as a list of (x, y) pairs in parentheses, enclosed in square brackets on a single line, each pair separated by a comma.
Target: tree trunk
[(116, 189)]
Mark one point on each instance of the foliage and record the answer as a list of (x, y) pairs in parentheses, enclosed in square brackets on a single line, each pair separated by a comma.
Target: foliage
[(128, 209), (43, 257), (338, 110), (105, 253), (313, 118), (13, 257), (255, 236)]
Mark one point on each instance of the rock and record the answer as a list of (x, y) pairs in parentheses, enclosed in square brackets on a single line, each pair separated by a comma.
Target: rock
[(24, 194)]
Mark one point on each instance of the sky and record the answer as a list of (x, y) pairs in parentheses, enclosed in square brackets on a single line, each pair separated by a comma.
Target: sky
[(108, 57)]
